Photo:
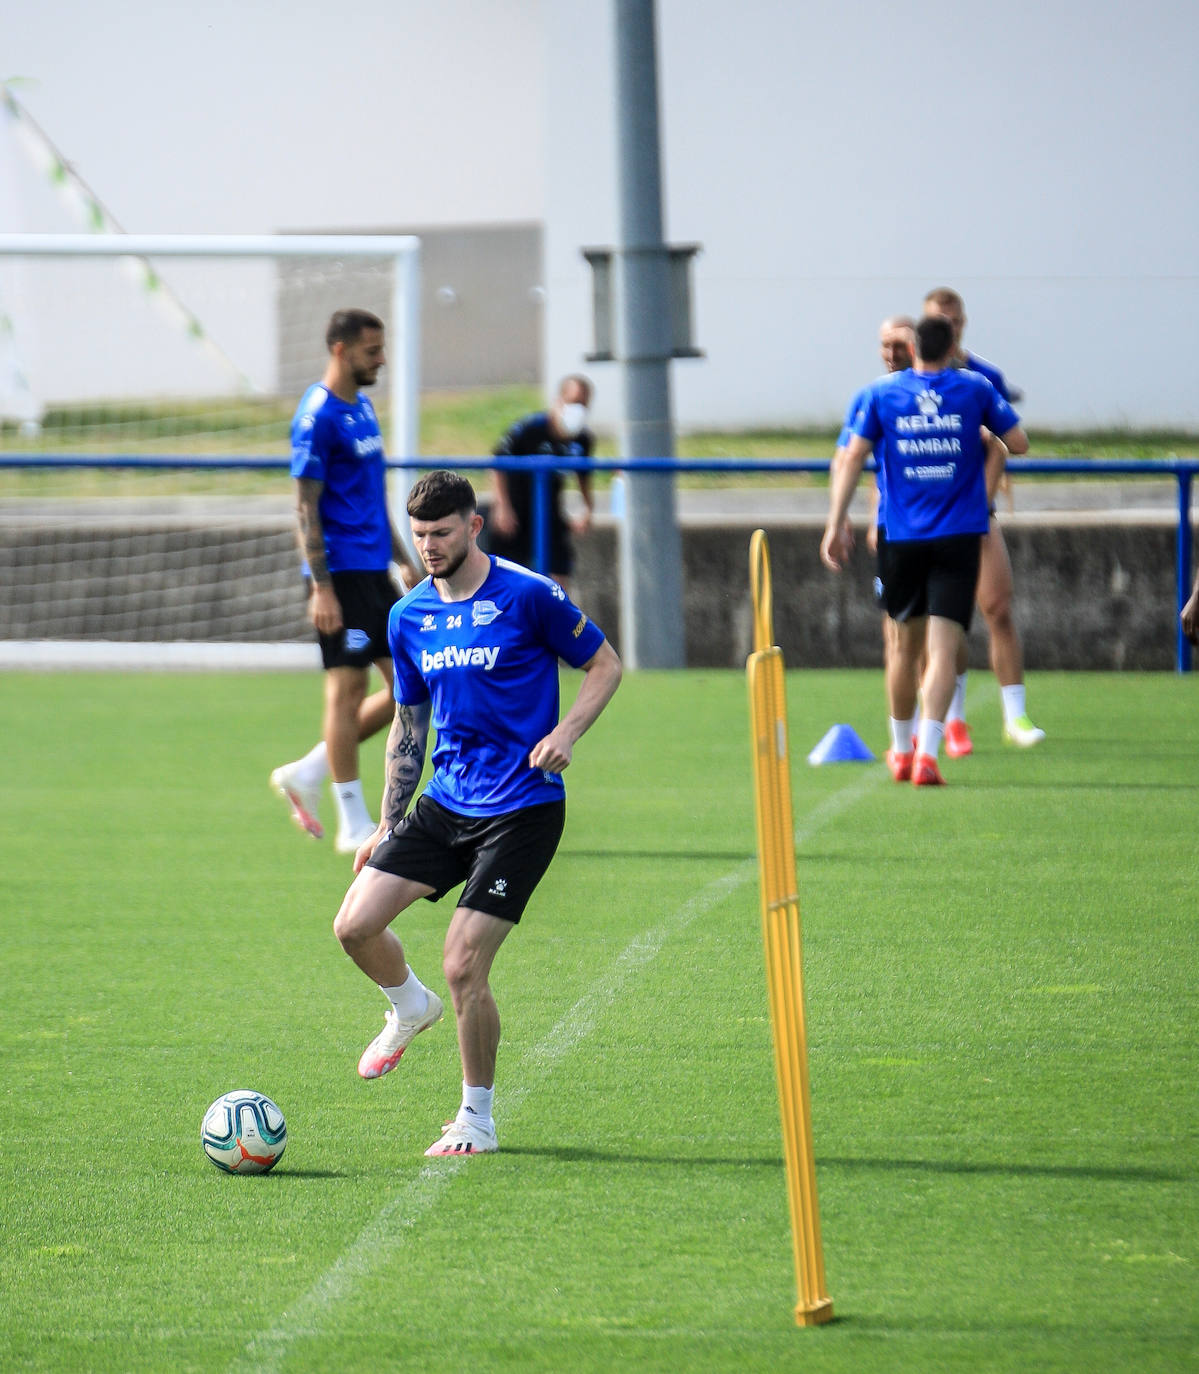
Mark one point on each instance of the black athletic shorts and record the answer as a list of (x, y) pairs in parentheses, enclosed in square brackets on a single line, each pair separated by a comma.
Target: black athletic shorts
[(929, 577), (366, 600), (501, 858), (880, 554)]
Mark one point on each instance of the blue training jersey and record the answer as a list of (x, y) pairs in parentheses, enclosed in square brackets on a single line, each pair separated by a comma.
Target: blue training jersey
[(489, 666), (339, 444), (925, 428)]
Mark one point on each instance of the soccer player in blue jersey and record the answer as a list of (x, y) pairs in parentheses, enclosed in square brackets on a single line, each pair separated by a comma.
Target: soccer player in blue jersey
[(994, 596), (347, 542), (561, 431), (926, 427), (895, 349), (476, 647)]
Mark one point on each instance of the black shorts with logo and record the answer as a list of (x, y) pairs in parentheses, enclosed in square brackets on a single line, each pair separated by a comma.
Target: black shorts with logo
[(366, 600), (929, 577), (501, 858)]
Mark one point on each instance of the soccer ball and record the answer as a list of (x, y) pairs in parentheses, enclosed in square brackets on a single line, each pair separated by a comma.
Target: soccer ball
[(243, 1133)]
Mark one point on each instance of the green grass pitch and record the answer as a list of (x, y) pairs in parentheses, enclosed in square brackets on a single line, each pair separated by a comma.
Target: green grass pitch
[(1001, 989)]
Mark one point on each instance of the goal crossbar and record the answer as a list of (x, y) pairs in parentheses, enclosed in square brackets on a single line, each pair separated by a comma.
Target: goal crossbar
[(404, 335), (401, 251)]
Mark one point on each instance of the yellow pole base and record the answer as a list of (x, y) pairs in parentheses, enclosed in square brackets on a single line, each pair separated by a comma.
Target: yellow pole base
[(816, 1315)]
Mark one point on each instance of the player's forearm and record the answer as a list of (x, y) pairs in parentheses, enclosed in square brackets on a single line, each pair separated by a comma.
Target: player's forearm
[(587, 490), (601, 677), (311, 533), (996, 461), (405, 761), (402, 558), (846, 469)]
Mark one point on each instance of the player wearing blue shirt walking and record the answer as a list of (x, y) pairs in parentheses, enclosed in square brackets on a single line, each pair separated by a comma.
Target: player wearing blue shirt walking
[(895, 349), (994, 593), (925, 426), (476, 647), (347, 542)]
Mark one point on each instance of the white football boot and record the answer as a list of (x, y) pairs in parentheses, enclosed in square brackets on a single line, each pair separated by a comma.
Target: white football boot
[(302, 799), (384, 1051), (460, 1137)]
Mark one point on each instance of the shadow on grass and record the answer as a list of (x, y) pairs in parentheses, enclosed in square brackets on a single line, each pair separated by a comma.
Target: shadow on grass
[(1096, 1173), (686, 855), (1059, 785), (283, 1173), (585, 1154)]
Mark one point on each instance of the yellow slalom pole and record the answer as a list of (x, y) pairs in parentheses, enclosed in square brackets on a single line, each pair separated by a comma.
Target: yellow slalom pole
[(781, 939)]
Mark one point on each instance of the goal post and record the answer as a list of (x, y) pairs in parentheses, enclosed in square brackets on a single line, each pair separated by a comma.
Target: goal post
[(117, 350), (404, 313)]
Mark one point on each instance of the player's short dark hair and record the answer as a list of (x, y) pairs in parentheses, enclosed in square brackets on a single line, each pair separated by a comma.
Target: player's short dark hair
[(441, 493), (934, 339), (347, 326)]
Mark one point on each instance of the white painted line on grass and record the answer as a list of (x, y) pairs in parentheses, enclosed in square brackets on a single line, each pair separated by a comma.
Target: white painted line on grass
[(386, 1231)]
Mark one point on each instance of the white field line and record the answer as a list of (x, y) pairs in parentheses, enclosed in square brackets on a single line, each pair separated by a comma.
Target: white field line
[(387, 1230)]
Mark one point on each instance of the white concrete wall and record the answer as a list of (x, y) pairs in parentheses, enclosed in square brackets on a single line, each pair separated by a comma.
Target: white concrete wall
[(834, 160), (838, 161)]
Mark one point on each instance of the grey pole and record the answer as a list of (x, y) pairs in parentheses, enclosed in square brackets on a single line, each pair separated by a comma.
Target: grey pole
[(651, 550)]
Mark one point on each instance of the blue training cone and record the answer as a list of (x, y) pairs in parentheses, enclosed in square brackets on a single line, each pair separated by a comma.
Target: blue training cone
[(842, 744)]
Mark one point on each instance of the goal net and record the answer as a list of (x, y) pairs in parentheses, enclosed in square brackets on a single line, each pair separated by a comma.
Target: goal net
[(147, 385)]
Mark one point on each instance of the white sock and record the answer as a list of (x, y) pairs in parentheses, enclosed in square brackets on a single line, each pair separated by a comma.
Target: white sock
[(350, 806), (1013, 701), (931, 732), (901, 735), (476, 1104), (957, 707), (409, 998)]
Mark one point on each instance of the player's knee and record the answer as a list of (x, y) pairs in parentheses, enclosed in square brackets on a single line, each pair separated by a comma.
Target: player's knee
[(456, 965), (997, 612), (349, 927), (465, 969), (346, 689)]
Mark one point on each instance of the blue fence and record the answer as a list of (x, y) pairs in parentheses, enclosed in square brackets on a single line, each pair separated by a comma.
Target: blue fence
[(1182, 471)]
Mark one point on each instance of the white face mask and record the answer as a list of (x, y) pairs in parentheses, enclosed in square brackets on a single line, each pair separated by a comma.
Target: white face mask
[(572, 417)]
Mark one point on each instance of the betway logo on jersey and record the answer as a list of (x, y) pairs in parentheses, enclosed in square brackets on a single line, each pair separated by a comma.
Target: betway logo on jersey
[(454, 657), (373, 443)]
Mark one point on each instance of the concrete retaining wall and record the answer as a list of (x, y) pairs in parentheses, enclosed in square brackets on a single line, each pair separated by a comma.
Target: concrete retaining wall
[(1094, 590)]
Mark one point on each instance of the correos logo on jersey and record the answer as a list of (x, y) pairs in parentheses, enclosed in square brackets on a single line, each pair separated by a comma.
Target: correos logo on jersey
[(454, 657)]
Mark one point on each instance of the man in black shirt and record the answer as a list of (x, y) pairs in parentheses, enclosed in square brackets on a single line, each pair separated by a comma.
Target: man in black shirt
[(561, 432)]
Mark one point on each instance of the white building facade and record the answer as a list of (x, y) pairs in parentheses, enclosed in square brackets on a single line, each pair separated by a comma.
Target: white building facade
[(836, 162)]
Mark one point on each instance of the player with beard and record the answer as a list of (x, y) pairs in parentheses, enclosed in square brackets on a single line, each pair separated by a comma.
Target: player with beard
[(347, 543), (475, 647)]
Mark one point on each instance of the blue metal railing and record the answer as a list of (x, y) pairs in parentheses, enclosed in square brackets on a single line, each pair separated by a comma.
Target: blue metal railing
[(1183, 472)]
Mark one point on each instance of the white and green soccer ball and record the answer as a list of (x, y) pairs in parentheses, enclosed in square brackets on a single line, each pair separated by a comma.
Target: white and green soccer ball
[(243, 1132)]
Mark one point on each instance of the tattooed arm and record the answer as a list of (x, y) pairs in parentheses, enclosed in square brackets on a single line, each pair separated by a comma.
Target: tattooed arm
[(405, 761), (324, 609), (404, 765)]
